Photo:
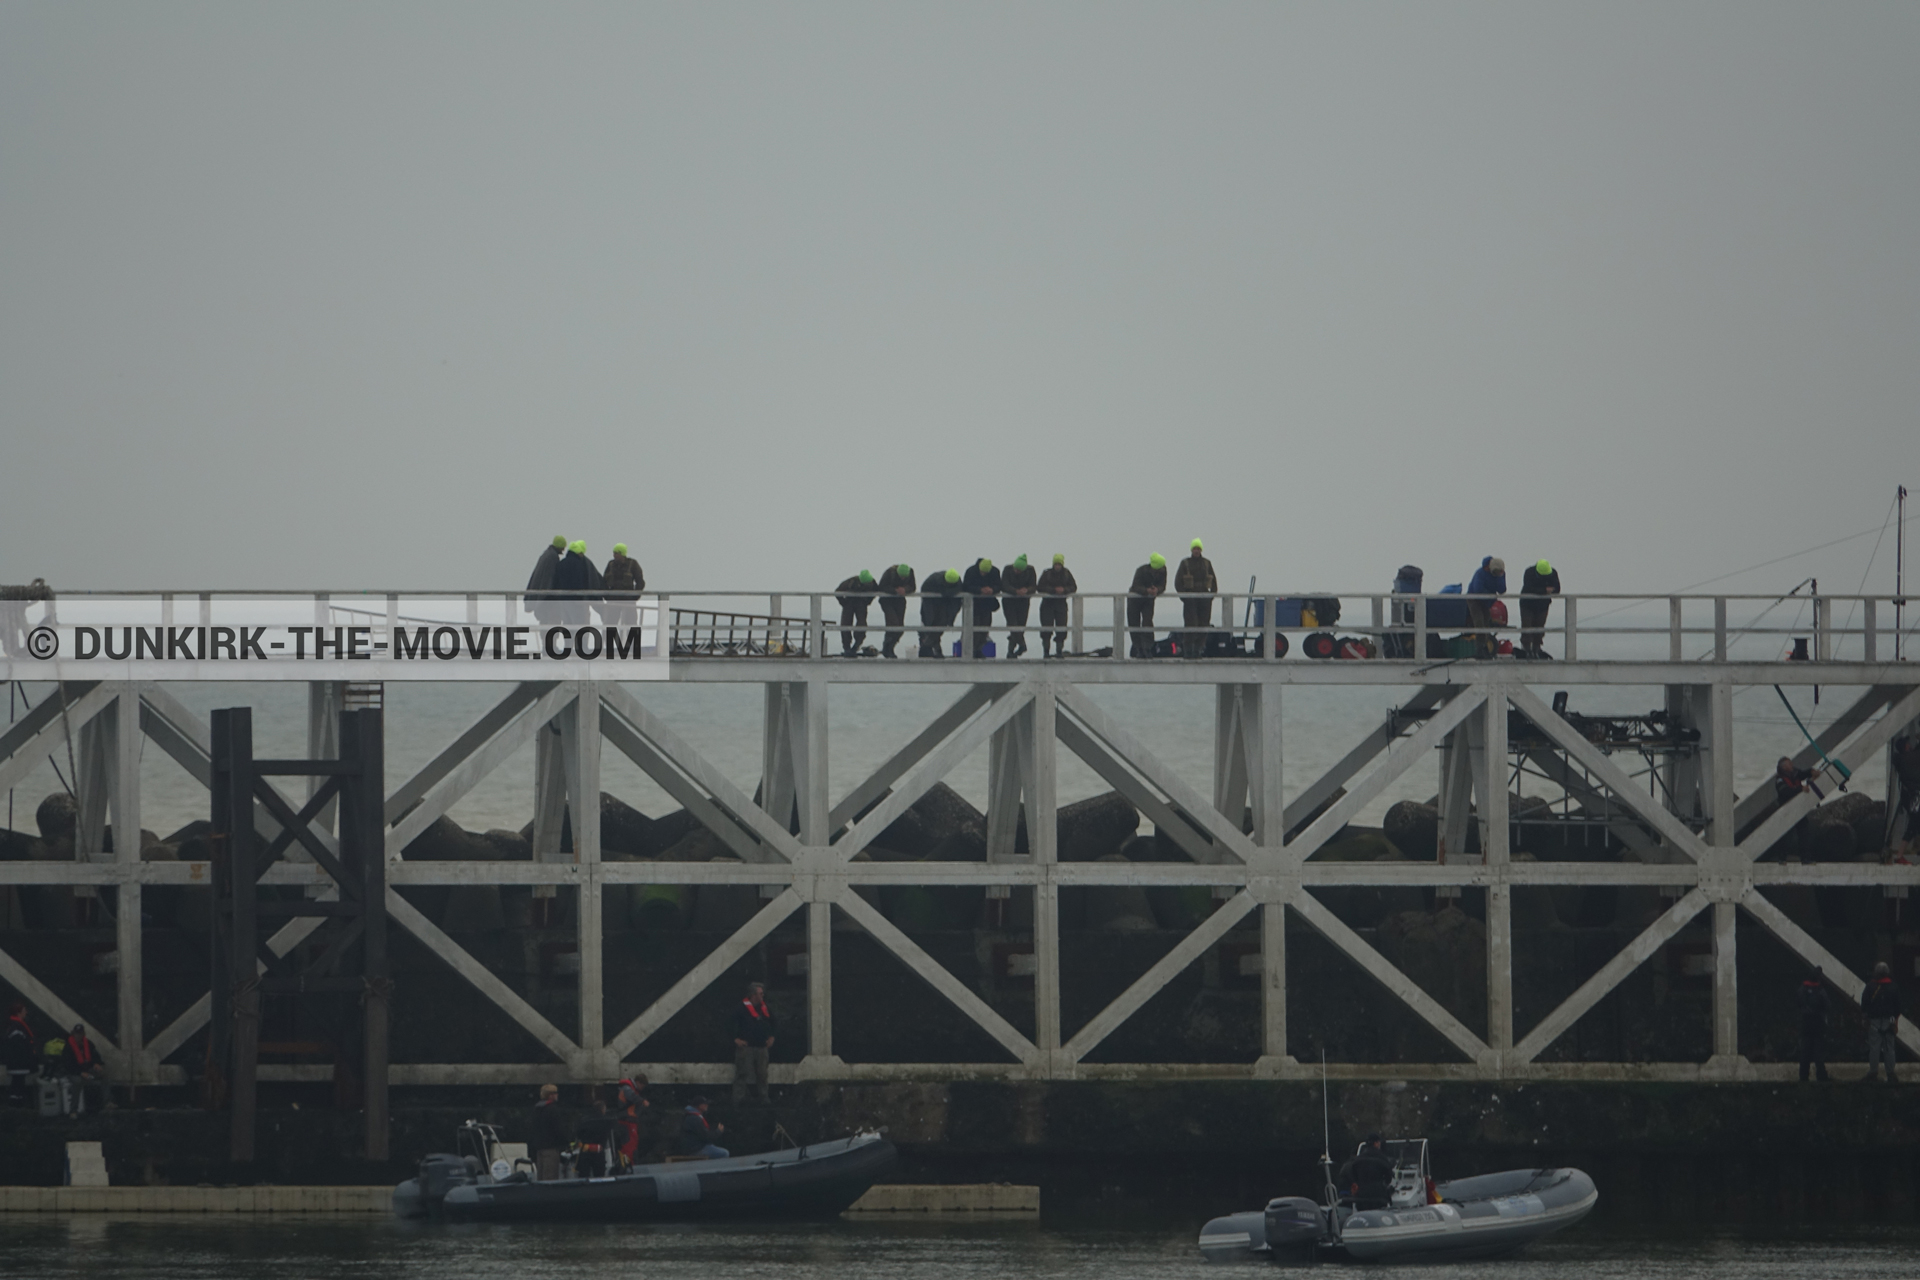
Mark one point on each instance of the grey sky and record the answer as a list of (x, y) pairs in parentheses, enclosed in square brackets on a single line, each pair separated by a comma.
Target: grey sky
[(358, 295)]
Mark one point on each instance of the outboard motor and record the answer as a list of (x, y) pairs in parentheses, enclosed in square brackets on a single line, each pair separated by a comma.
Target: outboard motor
[(440, 1174), (1293, 1222)]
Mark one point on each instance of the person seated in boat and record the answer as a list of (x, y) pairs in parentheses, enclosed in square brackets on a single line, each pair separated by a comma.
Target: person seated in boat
[(697, 1133), (1366, 1181)]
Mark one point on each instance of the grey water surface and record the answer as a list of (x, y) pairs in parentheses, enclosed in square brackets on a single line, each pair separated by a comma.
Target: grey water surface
[(294, 1249)]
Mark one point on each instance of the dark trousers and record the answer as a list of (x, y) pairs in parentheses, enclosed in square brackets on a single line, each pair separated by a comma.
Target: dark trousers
[(1016, 610), (1140, 614), (893, 613), (1053, 623), (1533, 625), (853, 627), (1813, 1051), (982, 619), (1195, 613), (749, 1073), (936, 618)]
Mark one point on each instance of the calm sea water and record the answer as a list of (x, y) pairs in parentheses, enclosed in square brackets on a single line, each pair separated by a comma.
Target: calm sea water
[(867, 724), (334, 1249)]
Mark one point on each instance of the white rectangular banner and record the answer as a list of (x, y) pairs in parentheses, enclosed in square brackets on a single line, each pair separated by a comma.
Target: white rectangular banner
[(333, 637)]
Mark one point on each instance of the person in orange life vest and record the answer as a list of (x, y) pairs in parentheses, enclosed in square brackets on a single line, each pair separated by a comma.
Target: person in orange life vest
[(1880, 1002), (753, 1029), (626, 1126), (696, 1133), (19, 1053)]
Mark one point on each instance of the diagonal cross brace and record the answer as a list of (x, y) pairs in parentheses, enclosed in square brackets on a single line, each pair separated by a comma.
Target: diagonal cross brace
[(509, 1001), (1198, 809), (1400, 759), (1436, 1015), (704, 974), (29, 749), (1855, 754), (935, 766), (1810, 950), (472, 771), (675, 751), (1611, 975), (1165, 970), (1679, 837), (937, 976), (883, 778)]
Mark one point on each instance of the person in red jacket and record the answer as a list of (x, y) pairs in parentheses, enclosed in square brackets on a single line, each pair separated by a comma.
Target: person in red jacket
[(82, 1061)]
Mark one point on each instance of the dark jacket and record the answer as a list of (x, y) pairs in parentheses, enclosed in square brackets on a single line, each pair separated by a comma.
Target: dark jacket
[(577, 576), (542, 579), (855, 594), (1487, 583), (19, 1045), (1880, 999), (939, 600), (623, 573), (891, 579), (1535, 583), (1370, 1171), (753, 1024), (1814, 1003), (973, 582), (1195, 577), (80, 1056), (1147, 576), (1056, 581), (549, 1128), (694, 1134), (1014, 580)]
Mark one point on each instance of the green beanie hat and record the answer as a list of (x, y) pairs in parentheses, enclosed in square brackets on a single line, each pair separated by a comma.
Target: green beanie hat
[(865, 576), (579, 547), (1544, 568), (1059, 557), (1020, 562), (904, 570), (953, 575), (985, 564), (559, 542), (619, 548), (1195, 544), (1157, 560)]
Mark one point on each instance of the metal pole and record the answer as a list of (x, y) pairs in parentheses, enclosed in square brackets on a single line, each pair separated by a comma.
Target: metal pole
[(243, 940), (1899, 573)]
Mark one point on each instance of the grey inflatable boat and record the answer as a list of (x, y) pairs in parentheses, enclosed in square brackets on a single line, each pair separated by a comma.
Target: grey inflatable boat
[(1477, 1217)]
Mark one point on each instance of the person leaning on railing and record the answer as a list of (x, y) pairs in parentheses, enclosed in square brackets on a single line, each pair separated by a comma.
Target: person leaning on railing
[(1056, 584), (896, 584), (1018, 582), (854, 594), (1196, 586), (1490, 579), (1540, 581), (939, 606), (983, 584), (1149, 583)]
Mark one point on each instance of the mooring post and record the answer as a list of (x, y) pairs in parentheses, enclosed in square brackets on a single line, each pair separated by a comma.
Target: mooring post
[(362, 743), (234, 733)]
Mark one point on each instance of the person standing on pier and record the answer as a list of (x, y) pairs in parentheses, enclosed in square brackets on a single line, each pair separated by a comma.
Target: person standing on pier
[(1056, 584), (1195, 579), (540, 583), (1149, 583), (753, 1028), (1538, 584), (1018, 582), (939, 606), (1814, 1003), (896, 584), (1490, 579), (81, 1061), (19, 1053), (624, 580), (854, 595), (576, 580), (983, 584), (1880, 1002)]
